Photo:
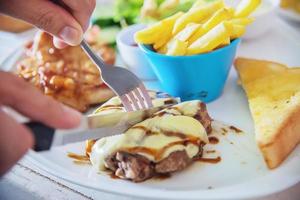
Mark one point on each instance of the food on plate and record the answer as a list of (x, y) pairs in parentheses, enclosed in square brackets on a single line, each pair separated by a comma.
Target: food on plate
[(114, 105), (207, 25), (273, 92), (291, 4), (66, 74), (167, 142)]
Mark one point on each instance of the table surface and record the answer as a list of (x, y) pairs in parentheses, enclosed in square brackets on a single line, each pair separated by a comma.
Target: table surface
[(25, 181)]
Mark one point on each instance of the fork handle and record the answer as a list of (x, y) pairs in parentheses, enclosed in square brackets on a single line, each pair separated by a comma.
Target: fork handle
[(95, 58)]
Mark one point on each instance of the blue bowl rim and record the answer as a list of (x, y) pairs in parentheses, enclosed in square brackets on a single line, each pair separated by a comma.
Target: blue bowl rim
[(145, 49)]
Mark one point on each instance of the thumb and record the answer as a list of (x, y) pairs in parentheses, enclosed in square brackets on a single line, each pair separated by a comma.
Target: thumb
[(47, 16)]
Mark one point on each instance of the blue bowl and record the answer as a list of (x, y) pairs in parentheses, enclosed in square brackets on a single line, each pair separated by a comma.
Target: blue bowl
[(200, 76)]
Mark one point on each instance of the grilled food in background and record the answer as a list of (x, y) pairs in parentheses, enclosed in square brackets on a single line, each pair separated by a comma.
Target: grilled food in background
[(13, 25), (273, 92), (167, 142), (291, 4), (66, 74)]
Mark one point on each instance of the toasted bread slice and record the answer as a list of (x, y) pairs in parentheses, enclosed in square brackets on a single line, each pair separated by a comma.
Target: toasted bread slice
[(273, 92)]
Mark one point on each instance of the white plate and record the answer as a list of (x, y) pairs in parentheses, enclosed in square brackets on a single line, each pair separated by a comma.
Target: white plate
[(241, 173)]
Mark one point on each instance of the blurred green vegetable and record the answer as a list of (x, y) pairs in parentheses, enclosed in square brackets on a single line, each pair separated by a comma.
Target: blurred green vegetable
[(127, 10)]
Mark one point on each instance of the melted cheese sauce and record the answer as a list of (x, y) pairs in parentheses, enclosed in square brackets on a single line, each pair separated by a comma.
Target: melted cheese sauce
[(157, 137), (114, 105)]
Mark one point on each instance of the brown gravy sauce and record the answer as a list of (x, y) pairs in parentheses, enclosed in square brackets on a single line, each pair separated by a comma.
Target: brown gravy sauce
[(108, 107), (166, 133), (113, 176), (224, 131), (111, 106), (170, 101), (158, 153), (213, 140), (162, 176), (78, 158), (88, 146), (210, 151), (210, 160), (79, 162), (235, 129)]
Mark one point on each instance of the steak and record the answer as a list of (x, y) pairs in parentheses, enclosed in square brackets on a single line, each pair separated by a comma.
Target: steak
[(131, 162), (138, 168)]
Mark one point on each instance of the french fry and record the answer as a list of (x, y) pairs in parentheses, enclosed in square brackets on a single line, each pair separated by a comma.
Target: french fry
[(197, 15), (212, 39), (148, 35), (178, 48), (224, 43), (246, 7), (156, 31), (208, 25), (242, 21), (184, 34), (163, 49), (220, 16), (187, 32), (163, 41), (237, 31)]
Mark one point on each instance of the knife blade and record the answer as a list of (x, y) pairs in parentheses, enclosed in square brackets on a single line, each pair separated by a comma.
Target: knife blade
[(92, 127)]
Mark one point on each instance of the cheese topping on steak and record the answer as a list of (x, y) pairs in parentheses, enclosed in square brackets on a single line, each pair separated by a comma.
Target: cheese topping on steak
[(174, 129), (114, 105)]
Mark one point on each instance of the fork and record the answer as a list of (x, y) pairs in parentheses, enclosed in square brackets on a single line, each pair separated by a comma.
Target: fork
[(122, 82)]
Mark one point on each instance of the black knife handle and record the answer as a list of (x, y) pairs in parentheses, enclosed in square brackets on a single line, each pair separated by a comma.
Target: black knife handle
[(43, 135)]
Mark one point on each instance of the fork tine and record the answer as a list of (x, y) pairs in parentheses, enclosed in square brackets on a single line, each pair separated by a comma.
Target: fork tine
[(134, 101), (126, 103), (145, 95), (141, 100)]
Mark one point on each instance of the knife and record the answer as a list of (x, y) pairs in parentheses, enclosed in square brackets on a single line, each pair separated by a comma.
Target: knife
[(94, 126)]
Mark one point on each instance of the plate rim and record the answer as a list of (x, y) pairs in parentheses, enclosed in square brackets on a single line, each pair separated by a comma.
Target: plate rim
[(154, 193)]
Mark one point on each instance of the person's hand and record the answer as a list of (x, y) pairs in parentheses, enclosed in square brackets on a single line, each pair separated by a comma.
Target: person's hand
[(16, 139), (66, 25)]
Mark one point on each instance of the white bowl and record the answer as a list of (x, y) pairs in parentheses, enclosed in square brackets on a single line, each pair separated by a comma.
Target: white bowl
[(131, 54), (264, 16)]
